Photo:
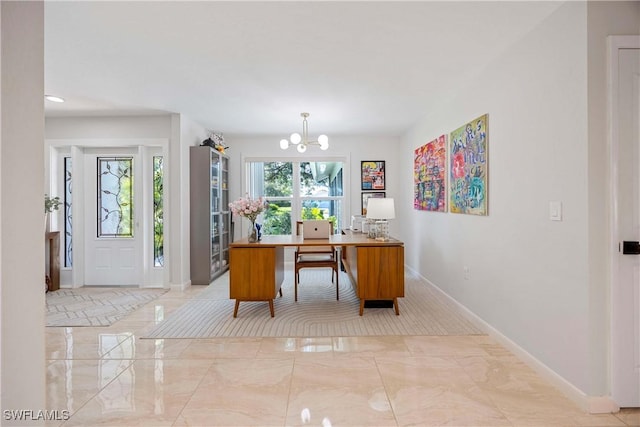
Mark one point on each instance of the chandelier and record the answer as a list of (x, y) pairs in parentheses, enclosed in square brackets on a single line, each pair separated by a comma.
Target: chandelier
[(302, 141)]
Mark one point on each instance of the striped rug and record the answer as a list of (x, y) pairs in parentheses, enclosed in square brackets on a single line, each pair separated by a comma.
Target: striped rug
[(423, 311)]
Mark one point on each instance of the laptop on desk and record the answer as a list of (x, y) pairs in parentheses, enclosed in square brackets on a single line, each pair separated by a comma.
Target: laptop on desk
[(316, 229)]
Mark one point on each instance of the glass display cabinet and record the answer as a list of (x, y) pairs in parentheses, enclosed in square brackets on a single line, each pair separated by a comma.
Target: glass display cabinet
[(210, 215)]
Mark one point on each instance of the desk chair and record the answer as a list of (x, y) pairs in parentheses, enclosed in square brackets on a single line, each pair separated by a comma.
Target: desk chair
[(315, 257)]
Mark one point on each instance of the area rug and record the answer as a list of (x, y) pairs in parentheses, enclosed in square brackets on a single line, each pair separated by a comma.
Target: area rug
[(95, 306), (423, 311)]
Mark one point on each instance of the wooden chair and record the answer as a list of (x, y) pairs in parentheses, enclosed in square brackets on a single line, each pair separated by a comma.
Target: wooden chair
[(315, 257)]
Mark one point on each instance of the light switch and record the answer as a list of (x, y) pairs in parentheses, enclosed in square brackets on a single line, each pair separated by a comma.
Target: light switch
[(555, 211)]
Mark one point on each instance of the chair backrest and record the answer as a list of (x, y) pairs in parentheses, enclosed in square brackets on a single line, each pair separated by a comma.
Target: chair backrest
[(316, 229)]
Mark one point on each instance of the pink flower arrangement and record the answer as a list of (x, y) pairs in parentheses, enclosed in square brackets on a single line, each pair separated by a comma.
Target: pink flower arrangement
[(248, 207)]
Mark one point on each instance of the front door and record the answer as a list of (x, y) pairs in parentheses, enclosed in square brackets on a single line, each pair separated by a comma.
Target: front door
[(112, 195), (625, 300)]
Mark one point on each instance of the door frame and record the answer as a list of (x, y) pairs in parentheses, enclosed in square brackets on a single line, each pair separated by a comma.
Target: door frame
[(614, 45), (55, 149)]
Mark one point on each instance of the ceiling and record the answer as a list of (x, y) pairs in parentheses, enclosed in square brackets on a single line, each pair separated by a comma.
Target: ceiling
[(241, 67)]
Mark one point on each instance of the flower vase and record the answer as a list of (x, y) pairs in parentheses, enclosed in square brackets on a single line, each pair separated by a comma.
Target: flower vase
[(253, 233)]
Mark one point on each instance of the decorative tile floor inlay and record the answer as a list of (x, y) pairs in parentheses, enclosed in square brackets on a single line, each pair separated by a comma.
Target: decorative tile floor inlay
[(95, 306)]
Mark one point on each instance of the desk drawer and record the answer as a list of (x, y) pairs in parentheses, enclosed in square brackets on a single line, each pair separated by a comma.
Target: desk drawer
[(251, 272), (380, 272)]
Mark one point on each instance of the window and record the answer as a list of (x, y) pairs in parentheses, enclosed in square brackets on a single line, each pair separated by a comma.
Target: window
[(115, 197), (297, 191), (68, 224), (158, 225)]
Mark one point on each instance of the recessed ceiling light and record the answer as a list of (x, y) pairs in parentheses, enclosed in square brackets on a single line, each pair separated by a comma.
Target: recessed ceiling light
[(53, 98)]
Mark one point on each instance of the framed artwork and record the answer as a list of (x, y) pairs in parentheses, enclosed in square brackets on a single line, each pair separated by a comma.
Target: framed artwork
[(429, 176), (468, 172), (372, 173), (367, 196)]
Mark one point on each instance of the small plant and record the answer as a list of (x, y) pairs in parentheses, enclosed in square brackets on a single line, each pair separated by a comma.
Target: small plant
[(51, 203)]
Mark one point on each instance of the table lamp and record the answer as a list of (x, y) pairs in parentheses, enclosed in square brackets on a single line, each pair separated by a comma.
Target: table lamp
[(381, 209)]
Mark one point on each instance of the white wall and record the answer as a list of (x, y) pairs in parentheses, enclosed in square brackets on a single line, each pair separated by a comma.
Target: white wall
[(108, 127), (190, 134), (355, 149), (528, 275), (22, 373)]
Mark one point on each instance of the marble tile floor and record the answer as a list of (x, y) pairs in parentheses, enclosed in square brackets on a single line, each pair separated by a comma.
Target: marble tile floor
[(108, 376)]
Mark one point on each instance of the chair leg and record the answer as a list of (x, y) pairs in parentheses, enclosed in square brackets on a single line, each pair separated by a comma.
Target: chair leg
[(337, 285), (295, 285)]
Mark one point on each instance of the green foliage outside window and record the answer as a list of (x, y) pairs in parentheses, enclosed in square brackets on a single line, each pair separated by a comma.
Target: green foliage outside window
[(278, 178), (115, 202), (277, 219), (314, 212)]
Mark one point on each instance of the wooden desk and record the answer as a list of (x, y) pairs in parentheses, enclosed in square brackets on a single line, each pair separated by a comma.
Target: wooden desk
[(376, 269), (53, 242)]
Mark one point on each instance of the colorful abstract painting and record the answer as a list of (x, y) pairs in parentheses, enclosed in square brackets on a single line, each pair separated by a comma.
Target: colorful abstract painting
[(429, 174), (468, 170), (373, 177)]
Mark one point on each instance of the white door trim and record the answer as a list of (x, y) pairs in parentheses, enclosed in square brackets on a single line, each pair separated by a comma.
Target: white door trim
[(614, 45)]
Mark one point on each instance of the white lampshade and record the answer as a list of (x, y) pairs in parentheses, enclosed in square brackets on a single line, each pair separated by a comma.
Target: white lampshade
[(380, 208), (301, 148), (284, 144)]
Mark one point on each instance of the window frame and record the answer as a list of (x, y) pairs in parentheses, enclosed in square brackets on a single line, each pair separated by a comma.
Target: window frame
[(296, 199)]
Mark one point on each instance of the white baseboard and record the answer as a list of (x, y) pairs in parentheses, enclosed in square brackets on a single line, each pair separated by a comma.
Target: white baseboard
[(180, 286), (591, 404), (601, 405)]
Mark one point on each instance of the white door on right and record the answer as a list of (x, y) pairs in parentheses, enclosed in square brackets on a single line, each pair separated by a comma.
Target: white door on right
[(625, 333)]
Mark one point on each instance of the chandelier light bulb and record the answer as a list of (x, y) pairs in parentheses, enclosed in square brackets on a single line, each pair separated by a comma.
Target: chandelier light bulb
[(301, 148), (295, 138), (284, 144), (323, 140)]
